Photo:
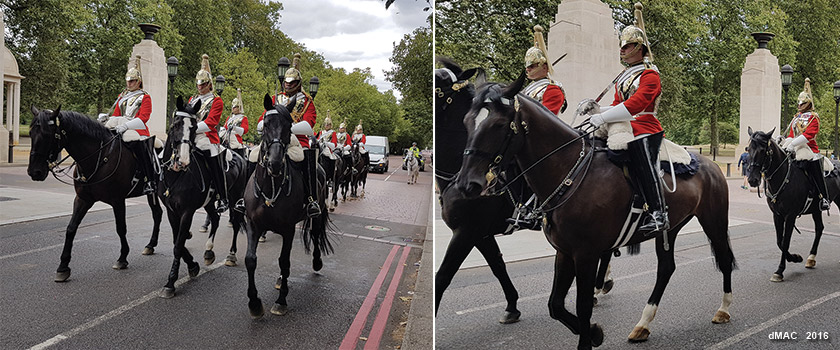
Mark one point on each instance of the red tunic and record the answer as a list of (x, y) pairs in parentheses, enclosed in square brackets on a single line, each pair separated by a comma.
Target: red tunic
[(363, 139), (309, 115), (553, 98), (143, 113), (643, 100), (334, 139), (811, 130), (243, 125), (213, 118)]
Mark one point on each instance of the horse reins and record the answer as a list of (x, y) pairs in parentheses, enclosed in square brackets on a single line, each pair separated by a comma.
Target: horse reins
[(763, 170), (82, 178)]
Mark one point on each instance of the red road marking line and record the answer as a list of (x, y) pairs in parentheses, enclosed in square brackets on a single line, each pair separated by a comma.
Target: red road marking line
[(378, 328), (352, 336)]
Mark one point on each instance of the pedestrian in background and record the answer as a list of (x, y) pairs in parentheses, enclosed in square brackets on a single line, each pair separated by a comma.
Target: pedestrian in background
[(745, 159)]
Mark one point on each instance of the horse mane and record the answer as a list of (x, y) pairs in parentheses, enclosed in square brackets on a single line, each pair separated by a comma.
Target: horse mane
[(495, 91), (77, 123)]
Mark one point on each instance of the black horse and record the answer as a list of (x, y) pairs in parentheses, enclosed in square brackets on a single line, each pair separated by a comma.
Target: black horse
[(104, 172), (275, 200), (587, 219), (360, 164), (331, 171), (787, 188), (473, 222), (185, 188)]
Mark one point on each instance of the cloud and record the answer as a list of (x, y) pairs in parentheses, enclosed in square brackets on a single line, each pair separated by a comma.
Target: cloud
[(353, 34)]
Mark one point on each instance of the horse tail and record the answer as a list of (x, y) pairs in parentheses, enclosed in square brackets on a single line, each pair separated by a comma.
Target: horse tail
[(724, 257), (315, 233), (634, 249)]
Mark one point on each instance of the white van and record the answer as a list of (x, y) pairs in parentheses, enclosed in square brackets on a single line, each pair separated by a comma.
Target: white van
[(377, 147)]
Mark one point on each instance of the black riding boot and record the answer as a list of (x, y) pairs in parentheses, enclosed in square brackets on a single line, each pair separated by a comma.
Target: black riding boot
[(144, 162), (815, 172), (311, 182), (217, 173), (643, 165)]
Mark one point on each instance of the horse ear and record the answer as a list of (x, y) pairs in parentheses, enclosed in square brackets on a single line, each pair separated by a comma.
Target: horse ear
[(56, 112), (267, 103), (480, 77), (467, 74), (35, 110), (749, 131), (771, 131), (179, 103), (514, 88)]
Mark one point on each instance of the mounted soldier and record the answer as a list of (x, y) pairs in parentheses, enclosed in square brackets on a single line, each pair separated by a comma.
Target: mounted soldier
[(207, 138), (304, 116), (236, 125), (801, 142), (131, 112), (550, 94), (360, 138), (637, 91), (325, 137)]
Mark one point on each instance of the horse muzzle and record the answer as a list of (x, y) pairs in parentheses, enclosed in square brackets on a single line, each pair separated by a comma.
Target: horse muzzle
[(37, 174)]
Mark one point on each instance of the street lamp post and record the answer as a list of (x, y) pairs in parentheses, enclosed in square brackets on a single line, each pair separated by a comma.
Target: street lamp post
[(787, 75), (283, 65), (172, 71), (836, 105), (220, 85), (313, 86)]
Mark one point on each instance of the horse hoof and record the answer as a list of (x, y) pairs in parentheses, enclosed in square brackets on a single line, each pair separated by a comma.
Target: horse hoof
[(202, 229), (639, 334), (262, 239), (317, 264), (608, 286), (279, 284), (209, 257), (167, 293), (332, 210), (597, 334), (256, 308), (62, 276), (777, 277), (230, 260), (120, 265), (720, 317), (148, 251), (194, 270), (510, 317), (795, 258), (594, 301), (279, 310), (811, 262)]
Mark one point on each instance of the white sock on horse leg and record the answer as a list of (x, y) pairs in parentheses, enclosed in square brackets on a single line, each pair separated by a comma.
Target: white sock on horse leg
[(647, 315)]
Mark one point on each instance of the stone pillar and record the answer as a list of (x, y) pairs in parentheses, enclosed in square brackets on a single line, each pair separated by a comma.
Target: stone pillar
[(155, 78), (585, 30), (4, 133), (761, 92)]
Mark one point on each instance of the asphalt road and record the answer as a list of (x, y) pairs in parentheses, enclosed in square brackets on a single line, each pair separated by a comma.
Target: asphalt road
[(807, 302), (375, 263)]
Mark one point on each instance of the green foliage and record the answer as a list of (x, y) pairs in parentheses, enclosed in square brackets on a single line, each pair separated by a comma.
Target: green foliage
[(412, 76)]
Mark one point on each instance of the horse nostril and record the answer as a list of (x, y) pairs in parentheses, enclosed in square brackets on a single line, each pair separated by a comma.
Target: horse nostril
[(473, 189)]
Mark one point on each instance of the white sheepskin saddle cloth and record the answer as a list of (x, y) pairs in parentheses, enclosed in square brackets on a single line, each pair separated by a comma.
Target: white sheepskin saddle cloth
[(621, 133), (803, 152), (295, 151)]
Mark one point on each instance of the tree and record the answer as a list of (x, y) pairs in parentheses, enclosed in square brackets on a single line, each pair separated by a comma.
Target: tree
[(412, 76)]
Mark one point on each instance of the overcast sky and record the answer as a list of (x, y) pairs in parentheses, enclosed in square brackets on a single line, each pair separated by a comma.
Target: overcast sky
[(353, 33)]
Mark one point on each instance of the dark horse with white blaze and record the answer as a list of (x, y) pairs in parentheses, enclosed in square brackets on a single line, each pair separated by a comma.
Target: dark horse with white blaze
[(587, 221), (185, 188), (474, 222), (787, 188), (275, 200), (104, 171)]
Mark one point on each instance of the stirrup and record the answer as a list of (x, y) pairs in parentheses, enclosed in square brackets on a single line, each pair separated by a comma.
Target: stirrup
[(824, 204), (149, 188), (526, 223), (221, 206), (655, 223), (240, 205), (313, 209)]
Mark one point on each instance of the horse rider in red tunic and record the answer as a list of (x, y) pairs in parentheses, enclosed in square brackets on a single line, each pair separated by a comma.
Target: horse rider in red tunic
[(637, 92), (236, 125), (207, 138), (325, 137), (802, 134), (341, 138), (303, 118), (549, 92), (131, 112)]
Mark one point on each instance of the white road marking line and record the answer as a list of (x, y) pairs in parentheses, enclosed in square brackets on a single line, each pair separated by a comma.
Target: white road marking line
[(392, 173), (747, 333), (44, 248), (546, 295), (114, 313)]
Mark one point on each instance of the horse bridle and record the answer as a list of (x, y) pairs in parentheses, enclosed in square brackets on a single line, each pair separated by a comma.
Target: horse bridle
[(448, 91), (55, 152), (503, 156), (177, 142), (768, 154)]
